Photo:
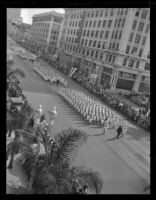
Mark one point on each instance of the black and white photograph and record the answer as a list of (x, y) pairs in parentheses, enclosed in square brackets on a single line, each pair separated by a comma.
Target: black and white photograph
[(78, 101)]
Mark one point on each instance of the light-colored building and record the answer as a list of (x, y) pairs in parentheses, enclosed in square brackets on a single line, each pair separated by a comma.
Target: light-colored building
[(112, 43), (45, 31)]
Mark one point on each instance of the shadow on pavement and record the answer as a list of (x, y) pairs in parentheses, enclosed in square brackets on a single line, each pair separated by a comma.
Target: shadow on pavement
[(111, 139), (137, 133)]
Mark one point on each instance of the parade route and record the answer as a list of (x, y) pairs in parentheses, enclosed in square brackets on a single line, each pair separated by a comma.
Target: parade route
[(124, 163)]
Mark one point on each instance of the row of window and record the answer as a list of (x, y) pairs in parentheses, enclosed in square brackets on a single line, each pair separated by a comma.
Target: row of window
[(137, 39), (143, 15), (99, 13), (127, 75), (140, 26), (134, 50), (131, 64), (90, 43), (41, 19)]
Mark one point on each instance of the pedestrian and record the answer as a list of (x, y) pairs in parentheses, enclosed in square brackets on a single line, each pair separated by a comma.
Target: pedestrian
[(105, 125), (57, 82), (119, 131), (42, 118)]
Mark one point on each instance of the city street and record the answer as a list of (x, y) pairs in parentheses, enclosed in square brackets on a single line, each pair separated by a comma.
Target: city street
[(124, 164)]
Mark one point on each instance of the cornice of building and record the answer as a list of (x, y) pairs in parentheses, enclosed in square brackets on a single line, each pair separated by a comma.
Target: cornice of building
[(51, 13)]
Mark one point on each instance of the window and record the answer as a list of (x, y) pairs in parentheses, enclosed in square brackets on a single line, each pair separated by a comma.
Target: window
[(147, 66), (94, 23), (92, 14), (104, 45), (133, 76), (131, 63), (110, 46), (131, 37), (107, 56), (90, 23), (92, 53), (143, 40), (110, 57), (90, 42), (117, 46), (134, 50), (94, 44), (137, 13), (92, 34), (82, 41), (119, 22), (137, 64), (113, 59), (99, 23), (88, 14), (116, 35), (112, 34), (97, 33), (123, 23), (120, 74), (107, 34), (134, 25), (84, 32), (99, 44), (147, 28), (120, 35), (141, 26), (140, 52), (96, 55), (97, 13), (112, 13), (115, 23), (101, 55), (137, 39), (148, 56), (106, 13), (127, 49), (101, 34), (144, 14), (101, 13), (86, 23), (86, 42), (109, 23), (88, 32), (104, 23), (88, 52), (124, 61)]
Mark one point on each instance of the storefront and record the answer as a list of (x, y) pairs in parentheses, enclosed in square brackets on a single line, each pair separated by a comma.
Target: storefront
[(125, 81), (144, 85), (105, 78)]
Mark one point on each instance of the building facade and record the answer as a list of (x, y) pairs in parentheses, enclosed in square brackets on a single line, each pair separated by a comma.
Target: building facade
[(113, 44), (45, 31)]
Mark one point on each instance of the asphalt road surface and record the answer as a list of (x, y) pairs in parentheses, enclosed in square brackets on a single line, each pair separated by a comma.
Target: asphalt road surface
[(124, 164)]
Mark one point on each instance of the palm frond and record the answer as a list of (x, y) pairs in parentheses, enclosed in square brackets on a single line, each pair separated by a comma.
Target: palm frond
[(85, 176), (68, 142)]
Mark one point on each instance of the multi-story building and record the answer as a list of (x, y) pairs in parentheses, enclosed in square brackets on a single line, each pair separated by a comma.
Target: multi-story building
[(45, 31), (114, 44), (13, 17)]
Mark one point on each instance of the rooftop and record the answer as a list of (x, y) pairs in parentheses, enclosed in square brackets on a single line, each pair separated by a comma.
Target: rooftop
[(53, 13)]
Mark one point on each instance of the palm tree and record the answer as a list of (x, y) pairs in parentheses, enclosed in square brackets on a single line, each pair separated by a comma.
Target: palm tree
[(21, 141), (52, 172)]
